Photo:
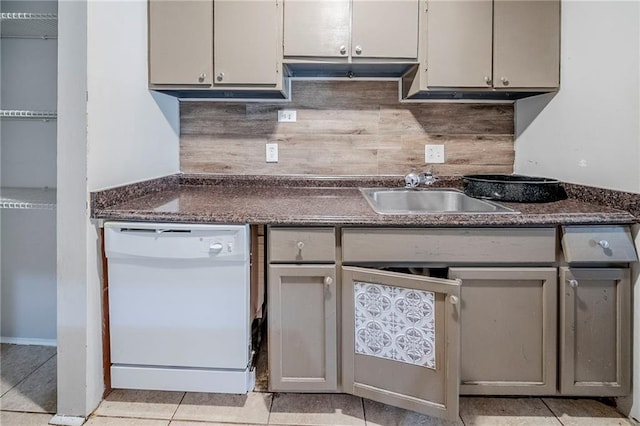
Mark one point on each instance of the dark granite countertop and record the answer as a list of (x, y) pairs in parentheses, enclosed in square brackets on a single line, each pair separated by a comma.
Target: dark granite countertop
[(329, 201)]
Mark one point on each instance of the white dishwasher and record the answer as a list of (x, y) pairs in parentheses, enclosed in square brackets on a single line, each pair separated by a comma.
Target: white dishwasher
[(179, 314)]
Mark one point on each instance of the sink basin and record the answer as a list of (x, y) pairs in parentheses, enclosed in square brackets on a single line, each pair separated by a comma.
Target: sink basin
[(424, 201)]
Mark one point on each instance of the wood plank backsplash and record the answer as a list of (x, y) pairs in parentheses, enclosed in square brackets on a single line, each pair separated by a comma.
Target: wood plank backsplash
[(345, 128)]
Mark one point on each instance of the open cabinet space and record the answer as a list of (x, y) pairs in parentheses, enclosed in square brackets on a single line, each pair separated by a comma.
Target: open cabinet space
[(28, 172)]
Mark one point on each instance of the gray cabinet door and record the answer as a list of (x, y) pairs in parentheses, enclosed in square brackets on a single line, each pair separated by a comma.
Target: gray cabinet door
[(508, 330), (317, 28), (384, 29), (180, 42), (595, 331), (302, 302), (400, 340), (526, 43), (246, 35), (459, 43)]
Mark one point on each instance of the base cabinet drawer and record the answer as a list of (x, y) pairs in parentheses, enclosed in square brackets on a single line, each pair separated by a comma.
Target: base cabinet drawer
[(597, 244), (302, 328), (595, 331), (449, 245), (302, 245), (508, 324)]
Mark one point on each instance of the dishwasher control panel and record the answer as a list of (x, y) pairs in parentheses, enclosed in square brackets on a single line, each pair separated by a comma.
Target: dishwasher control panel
[(176, 241), (220, 245)]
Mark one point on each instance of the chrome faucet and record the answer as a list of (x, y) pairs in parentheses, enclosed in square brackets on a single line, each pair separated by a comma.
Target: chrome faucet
[(413, 179)]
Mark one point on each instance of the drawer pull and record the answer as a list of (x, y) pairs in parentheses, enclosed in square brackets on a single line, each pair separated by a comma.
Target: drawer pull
[(453, 300), (300, 245), (573, 283), (604, 244)]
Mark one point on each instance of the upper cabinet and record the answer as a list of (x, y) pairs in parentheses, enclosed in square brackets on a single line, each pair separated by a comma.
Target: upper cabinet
[(385, 29), (458, 43), (317, 28), (210, 44), (526, 43), (351, 29), (490, 44), (180, 42), (245, 42), (496, 47)]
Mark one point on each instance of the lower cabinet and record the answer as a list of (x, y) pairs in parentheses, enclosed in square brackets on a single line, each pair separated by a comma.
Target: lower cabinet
[(595, 332), (302, 312), (418, 342), (400, 340), (508, 330)]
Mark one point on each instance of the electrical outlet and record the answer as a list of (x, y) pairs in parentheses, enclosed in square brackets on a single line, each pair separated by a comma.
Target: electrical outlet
[(287, 116), (272, 153), (434, 153)]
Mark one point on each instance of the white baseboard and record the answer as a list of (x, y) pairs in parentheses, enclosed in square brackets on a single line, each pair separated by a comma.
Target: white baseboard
[(61, 420), (182, 379), (28, 341)]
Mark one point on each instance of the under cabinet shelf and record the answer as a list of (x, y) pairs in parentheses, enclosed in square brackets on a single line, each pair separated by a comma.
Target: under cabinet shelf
[(29, 25), (27, 198), (28, 115)]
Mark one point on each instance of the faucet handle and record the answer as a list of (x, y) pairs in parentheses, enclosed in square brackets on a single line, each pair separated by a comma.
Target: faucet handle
[(412, 180), (428, 178)]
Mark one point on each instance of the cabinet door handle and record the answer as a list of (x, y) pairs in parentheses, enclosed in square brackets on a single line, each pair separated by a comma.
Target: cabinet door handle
[(327, 287), (487, 80), (454, 300), (343, 50), (202, 77), (358, 50), (220, 76), (505, 81), (573, 283), (604, 244)]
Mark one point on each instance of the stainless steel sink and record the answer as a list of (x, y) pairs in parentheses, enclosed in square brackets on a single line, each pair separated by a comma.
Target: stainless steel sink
[(426, 201)]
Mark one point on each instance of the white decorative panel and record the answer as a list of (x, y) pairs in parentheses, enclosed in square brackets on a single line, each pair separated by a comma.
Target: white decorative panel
[(395, 323)]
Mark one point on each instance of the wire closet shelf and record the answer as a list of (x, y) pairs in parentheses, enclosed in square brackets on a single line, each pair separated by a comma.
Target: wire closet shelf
[(29, 25)]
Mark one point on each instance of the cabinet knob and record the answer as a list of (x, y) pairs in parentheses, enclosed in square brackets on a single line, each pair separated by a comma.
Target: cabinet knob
[(220, 76), (505, 81), (202, 77), (454, 300), (604, 244), (358, 50), (487, 80), (343, 50), (300, 245), (573, 283), (328, 280)]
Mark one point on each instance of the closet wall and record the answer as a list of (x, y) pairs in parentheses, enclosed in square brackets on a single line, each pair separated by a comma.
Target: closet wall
[(28, 171)]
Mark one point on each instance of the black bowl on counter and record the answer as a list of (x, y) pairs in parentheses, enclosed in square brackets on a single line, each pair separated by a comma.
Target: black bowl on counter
[(514, 188)]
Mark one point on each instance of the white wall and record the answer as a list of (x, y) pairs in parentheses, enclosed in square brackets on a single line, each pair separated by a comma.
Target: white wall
[(111, 131), (133, 134), (72, 214), (589, 132)]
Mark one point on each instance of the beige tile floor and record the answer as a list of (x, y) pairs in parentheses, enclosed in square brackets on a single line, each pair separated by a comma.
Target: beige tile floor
[(28, 398)]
